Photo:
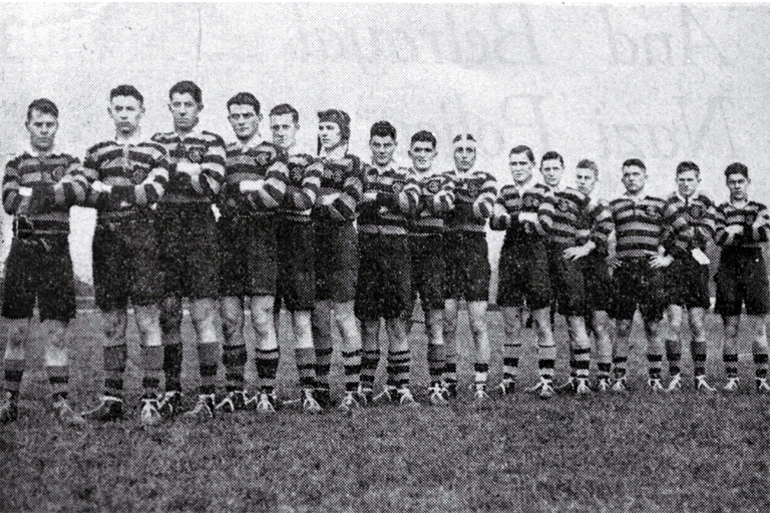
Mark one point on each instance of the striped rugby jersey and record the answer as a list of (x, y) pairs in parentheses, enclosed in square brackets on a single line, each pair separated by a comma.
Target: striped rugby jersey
[(136, 171), (475, 193), (302, 189), (203, 148), (745, 216), (57, 183), (644, 223), (260, 166), (570, 221), (524, 212), (437, 199), (396, 197), (700, 213), (344, 178), (595, 224)]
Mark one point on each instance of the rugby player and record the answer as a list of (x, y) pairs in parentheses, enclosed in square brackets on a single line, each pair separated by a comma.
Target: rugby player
[(650, 233), (296, 252), (256, 178), (467, 262), (128, 176), (384, 282), (189, 251), (336, 256), (39, 187), (687, 279), (525, 211), (426, 247), (741, 279)]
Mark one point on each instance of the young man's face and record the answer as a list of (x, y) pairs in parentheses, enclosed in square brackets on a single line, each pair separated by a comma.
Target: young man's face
[(634, 178), (329, 134), (382, 149), (126, 112), (244, 120), (422, 154), (687, 182), (185, 111), (738, 186), (42, 130), (552, 170), (465, 155), (284, 130), (586, 180), (521, 167)]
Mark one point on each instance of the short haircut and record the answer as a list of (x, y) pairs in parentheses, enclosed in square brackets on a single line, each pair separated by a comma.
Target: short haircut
[(589, 164), (424, 136), (187, 87), (736, 168), (523, 149), (285, 108), (383, 129), (44, 106), (127, 90), (687, 166), (461, 137), (338, 117), (552, 155), (634, 163), (244, 99)]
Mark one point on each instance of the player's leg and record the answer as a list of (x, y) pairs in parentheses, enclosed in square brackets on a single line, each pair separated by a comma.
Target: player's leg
[(546, 351), (234, 354), (677, 287), (370, 359), (268, 352), (148, 325), (512, 328), (538, 294), (14, 363), (600, 328), (475, 288), (730, 348), (399, 359), (652, 306), (759, 349), (729, 306), (699, 347), (305, 356), (449, 328), (171, 316), (625, 285), (581, 344), (203, 316), (570, 296), (369, 294), (477, 317), (757, 299), (345, 319), (675, 315), (322, 341), (655, 348)]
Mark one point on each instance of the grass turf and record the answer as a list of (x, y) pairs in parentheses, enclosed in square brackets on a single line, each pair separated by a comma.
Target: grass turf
[(640, 452)]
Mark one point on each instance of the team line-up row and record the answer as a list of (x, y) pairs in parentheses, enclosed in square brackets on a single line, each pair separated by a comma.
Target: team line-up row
[(344, 244)]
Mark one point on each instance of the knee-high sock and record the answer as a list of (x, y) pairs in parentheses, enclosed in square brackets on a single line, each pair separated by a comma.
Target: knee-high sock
[(267, 367), (351, 363), (436, 362), (546, 361), (14, 371), (234, 360), (674, 355), (207, 360), (152, 365), (699, 350), (398, 368), (172, 367), (114, 367)]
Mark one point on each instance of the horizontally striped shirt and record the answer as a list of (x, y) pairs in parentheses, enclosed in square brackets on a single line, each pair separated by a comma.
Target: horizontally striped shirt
[(568, 217), (700, 213), (260, 166), (744, 216), (595, 224), (343, 178), (57, 176), (526, 213), (646, 222), (396, 197), (475, 193), (137, 173), (302, 190), (205, 149), (437, 199)]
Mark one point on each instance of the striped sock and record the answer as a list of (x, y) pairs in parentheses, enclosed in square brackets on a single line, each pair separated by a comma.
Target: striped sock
[(267, 367), (398, 368), (114, 367), (654, 362), (619, 367), (369, 363), (207, 362), (698, 349), (572, 363), (674, 355), (323, 365), (14, 370), (582, 357), (436, 362), (172, 366), (234, 360), (760, 362), (152, 365), (480, 373), (511, 355), (603, 370), (731, 365), (450, 369), (58, 377), (546, 361), (351, 363), (305, 357)]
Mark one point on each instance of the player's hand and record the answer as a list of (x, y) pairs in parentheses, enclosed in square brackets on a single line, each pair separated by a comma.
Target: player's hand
[(328, 199), (658, 261), (576, 252), (760, 222), (190, 169), (101, 187), (370, 196), (734, 229)]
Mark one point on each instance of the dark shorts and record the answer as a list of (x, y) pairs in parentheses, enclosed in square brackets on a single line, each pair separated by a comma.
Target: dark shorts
[(126, 264), (189, 250), (524, 275), (687, 283), (567, 282), (742, 279), (637, 285), (336, 261), (385, 279), (296, 266), (428, 271), (42, 271), (467, 266), (597, 283), (248, 256)]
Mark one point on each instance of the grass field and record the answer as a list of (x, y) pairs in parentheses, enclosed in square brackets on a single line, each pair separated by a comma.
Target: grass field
[(605, 453)]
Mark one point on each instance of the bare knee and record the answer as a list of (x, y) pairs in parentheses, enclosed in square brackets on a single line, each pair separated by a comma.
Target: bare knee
[(18, 332), (114, 325), (624, 328)]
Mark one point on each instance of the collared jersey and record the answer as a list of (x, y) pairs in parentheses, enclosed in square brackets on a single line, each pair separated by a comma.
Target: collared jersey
[(437, 199), (569, 217), (700, 213), (345, 178), (265, 164), (745, 216), (524, 213), (302, 190), (397, 195), (203, 148), (475, 193), (595, 224)]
